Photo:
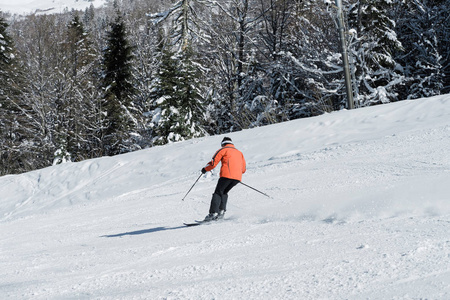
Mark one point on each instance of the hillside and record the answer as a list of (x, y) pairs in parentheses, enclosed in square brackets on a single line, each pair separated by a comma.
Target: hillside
[(360, 210), (46, 6)]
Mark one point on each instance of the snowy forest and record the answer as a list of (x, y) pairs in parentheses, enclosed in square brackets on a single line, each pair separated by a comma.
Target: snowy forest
[(138, 73)]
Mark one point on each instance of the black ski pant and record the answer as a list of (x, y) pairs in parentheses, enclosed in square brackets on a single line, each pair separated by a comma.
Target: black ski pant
[(220, 196)]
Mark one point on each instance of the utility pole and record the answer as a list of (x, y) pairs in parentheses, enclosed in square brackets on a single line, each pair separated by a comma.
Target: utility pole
[(348, 80)]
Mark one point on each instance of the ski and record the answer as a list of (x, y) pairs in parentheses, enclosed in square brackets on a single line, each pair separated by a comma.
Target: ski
[(196, 222)]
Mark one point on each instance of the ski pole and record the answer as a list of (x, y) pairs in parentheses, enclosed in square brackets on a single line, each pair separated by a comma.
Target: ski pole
[(256, 190), (192, 186)]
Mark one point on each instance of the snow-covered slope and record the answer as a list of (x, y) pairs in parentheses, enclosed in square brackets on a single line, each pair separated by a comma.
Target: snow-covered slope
[(45, 6), (360, 209)]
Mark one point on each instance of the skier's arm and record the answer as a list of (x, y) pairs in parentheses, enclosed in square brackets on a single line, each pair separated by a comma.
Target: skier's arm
[(214, 161)]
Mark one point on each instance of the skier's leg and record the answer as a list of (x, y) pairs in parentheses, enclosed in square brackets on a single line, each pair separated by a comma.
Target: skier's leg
[(215, 203), (217, 196), (230, 184), (223, 203)]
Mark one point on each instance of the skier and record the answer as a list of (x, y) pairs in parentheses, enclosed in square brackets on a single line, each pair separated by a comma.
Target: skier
[(233, 166)]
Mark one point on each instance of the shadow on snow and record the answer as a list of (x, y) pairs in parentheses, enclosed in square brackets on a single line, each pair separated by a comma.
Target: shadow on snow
[(144, 231)]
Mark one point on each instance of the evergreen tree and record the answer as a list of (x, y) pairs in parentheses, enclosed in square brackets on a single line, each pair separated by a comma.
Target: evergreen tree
[(6, 61), (376, 41), (15, 117), (179, 112), (147, 59), (177, 98), (6, 94), (117, 83), (442, 25), (421, 59), (185, 23), (79, 105), (79, 49)]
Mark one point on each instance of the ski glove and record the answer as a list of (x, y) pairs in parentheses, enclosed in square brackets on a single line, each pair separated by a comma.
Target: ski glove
[(203, 171)]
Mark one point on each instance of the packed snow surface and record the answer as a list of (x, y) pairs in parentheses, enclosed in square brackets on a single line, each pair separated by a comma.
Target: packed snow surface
[(360, 209), (24, 7)]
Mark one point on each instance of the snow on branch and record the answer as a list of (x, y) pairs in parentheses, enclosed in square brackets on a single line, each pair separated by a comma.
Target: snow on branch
[(159, 17)]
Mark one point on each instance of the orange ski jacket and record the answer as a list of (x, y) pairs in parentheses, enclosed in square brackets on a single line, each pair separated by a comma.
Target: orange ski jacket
[(233, 162)]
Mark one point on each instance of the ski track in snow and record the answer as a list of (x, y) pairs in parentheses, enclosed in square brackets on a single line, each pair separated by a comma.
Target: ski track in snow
[(360, 210)]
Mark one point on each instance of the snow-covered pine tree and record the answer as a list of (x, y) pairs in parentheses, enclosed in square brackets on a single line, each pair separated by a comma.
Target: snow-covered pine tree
[(442, 27), (118, 87), (6, 62), (177, 97), (444, 42), (184, 30), (178, 113), (147, 57), (80, 102), (8, 111), (418, 30), (80, 52), (25, 133), (376, 71), (19, 142)]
